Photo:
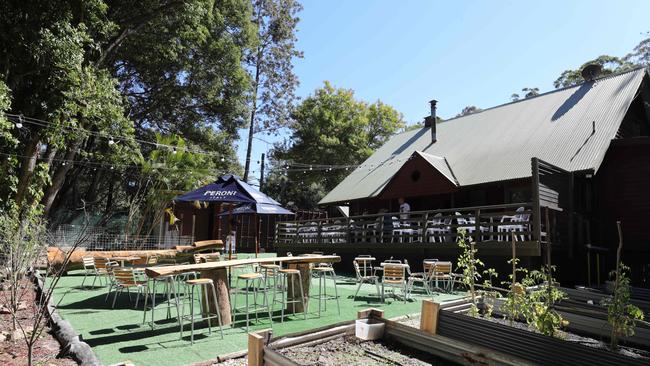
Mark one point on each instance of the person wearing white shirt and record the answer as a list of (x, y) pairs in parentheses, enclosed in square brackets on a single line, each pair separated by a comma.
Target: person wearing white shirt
[(404, 209)]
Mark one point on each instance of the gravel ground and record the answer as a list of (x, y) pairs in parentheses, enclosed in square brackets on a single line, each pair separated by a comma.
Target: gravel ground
[(350, 351)]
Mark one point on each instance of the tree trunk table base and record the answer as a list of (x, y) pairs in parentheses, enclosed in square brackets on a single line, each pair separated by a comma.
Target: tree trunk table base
[(293, 290), (220, 278)]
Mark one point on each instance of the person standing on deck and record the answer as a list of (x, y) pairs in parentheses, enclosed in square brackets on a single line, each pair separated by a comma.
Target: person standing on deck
[(404, 209)]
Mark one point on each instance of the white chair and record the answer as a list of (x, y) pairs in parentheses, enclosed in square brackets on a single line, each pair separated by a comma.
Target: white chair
[(513, 224), (437, 227)]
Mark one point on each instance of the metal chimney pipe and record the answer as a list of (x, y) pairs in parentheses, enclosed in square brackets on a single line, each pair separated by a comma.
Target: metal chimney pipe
[(433, 103)]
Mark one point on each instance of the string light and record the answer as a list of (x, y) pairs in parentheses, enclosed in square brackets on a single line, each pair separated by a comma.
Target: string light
[(111, 141), (19, 124)]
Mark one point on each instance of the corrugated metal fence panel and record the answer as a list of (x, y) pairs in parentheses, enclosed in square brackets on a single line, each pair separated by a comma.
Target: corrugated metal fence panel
[(527, 345)]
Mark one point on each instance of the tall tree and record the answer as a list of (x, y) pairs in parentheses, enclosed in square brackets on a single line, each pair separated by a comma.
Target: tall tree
[(179, 63), (274, 83), (609, 64), (640, 56), (527, 93), (330, 128)]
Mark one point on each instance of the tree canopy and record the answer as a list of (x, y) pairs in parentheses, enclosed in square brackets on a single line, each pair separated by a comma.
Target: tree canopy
[(330, 127)]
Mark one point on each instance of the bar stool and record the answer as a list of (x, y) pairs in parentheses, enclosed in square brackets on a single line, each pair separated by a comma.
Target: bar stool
[(170, 290), (285, 276), (249, 281), (270, 272), (205, 286), (323, 271)]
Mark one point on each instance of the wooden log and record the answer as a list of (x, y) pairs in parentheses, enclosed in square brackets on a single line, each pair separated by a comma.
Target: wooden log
[(293, 290), (220, 278), (429, 316), (256, 341)]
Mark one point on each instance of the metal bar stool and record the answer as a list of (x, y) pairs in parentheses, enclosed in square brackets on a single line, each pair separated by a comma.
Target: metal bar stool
[(323, 271), (205, 286), (287, 275), (171, 289), (270, 273), (249, 281)]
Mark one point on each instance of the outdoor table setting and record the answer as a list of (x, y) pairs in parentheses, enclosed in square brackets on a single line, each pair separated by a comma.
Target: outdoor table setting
[(218, 273)]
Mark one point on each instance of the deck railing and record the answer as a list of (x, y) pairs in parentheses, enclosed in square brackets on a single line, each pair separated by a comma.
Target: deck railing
[(496, 223)]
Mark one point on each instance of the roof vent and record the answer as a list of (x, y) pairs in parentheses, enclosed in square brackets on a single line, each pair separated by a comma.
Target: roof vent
[(591, 72), (430, 120)]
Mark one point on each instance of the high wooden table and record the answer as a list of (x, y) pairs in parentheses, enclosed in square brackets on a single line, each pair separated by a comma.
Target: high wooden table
[(218, 272)]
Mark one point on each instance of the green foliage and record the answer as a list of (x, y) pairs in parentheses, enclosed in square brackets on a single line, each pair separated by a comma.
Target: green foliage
[(516, 299), (489, 294), (329, 127), (621, 315), (527, 93), (538, 303), (469, 265), (470, 109)]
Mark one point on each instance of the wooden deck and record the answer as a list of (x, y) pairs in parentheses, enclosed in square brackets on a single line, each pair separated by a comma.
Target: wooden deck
[(434, 231)]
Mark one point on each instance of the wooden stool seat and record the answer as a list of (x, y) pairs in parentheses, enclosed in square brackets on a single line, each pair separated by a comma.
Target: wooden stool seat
[(289, 271), (323, 269), (250, 276), (199, 281), (270, 266)]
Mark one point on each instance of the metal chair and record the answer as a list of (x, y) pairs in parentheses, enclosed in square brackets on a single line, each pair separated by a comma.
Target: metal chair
[(286, 276), (205, 286), (423, 277), (362, 278), (442, 273), (394, 276), (89, 269), (249, 281), (125, 278), (324, 271)]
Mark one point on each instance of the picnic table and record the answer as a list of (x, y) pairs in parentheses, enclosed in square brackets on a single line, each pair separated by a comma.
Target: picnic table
[(218, 273)]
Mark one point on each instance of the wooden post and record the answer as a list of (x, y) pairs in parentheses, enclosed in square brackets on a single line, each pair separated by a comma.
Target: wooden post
[(477, 222), (256, 342), (220, 279), (514, 264), (257, 234), (371, 312), (429, 316)]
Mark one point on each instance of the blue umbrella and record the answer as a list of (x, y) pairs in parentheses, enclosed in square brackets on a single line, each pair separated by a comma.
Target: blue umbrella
[(226, 189), (229, 189)]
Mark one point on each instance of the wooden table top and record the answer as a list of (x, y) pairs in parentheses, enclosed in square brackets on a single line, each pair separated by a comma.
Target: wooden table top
[(125, 258), (157, 271)]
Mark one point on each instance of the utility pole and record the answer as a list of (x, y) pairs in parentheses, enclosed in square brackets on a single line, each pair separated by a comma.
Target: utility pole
[(262, 172)]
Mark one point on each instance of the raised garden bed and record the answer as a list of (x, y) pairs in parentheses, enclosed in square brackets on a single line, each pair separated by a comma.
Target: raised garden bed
[(519, 341)]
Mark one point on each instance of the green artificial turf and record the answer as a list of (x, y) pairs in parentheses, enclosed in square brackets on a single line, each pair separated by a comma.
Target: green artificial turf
[(118, 334)]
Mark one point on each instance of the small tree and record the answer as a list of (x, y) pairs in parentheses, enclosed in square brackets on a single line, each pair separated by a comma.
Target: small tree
[(621, 315), (539, 304), (24, 247), (468, 263)]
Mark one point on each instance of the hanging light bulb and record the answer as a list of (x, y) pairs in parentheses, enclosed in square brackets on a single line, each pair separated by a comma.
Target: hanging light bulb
[(111, 141), (63, 163), (310, 168), (174, 150), (223, 159), (19, 124)]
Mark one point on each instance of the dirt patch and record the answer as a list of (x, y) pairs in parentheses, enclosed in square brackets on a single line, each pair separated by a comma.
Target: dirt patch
[(15, 352), (350, 351)]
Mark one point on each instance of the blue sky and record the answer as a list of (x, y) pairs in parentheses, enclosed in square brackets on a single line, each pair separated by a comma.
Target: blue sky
[(458, 52)]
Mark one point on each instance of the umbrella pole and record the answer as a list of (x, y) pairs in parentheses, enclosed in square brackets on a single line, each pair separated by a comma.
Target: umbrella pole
[(229, 232), (257, 235)]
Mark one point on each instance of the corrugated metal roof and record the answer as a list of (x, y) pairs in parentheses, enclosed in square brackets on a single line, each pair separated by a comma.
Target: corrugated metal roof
[(498, 143)]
